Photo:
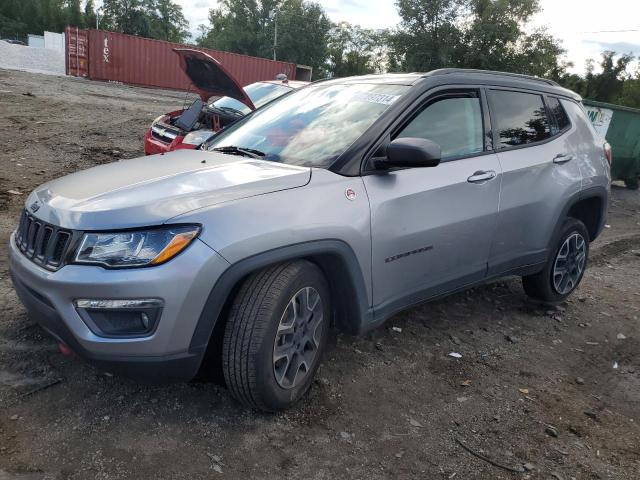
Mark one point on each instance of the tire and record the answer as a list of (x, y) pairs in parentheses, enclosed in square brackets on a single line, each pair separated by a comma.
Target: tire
[(262, 313), (549, 288)]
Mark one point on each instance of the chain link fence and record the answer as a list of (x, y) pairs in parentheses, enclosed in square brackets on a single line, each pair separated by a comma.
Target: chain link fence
[(14, 37)]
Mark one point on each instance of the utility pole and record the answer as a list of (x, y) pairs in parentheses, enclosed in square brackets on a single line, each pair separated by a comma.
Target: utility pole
[(275, 35)]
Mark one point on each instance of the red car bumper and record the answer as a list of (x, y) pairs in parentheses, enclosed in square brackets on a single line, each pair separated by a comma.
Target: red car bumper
[(153, 145)]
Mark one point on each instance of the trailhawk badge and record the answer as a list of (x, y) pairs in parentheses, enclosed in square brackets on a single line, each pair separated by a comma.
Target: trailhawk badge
[(350, 193), (35, 206)]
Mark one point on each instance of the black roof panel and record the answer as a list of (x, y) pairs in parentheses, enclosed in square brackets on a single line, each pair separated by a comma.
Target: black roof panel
[(461, 75)]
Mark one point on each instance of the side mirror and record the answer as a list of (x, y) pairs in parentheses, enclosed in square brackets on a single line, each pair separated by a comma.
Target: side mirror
[(411, 152)]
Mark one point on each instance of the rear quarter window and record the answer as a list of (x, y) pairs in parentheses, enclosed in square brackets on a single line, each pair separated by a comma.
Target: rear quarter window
[(560, 115), (579, 117), (520, 118)]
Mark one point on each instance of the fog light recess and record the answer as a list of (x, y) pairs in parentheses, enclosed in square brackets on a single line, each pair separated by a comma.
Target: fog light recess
[(120, 318)]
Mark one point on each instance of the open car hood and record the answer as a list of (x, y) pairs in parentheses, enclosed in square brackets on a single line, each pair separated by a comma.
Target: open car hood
[(209, 77)]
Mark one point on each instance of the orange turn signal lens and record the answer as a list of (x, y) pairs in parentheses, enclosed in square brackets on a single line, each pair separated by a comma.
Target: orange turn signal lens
[(174, 247)]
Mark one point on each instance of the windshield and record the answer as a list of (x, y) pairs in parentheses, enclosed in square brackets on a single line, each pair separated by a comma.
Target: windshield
[(259, 93), (312, 126)]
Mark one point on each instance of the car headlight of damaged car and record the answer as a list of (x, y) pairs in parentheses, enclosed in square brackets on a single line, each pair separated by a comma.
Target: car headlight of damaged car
[(136, 248), (198, 137)]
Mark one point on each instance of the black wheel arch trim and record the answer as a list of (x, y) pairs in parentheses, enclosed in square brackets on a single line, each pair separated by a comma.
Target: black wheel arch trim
[(597, 191), (336, 259)]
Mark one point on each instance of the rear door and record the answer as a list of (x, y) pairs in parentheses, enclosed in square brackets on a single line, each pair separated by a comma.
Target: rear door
[(432, 227), (540, 174)]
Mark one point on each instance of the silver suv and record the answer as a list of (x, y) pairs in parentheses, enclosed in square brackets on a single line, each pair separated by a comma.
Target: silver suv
[(339, 204)]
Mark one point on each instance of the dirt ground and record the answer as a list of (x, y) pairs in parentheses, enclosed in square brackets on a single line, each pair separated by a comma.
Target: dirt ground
[(555, 389)]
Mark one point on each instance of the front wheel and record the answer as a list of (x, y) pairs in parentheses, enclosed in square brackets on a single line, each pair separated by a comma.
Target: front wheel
[(275, 335), (565, 267)]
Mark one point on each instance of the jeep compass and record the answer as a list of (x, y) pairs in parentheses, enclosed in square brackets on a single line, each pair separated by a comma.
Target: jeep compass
[(337, 205)]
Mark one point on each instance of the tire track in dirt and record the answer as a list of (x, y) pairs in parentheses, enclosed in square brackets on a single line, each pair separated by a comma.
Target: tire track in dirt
[(614, 249)]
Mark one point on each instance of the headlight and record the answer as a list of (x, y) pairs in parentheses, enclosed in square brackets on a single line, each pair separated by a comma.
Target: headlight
[(136, 248), (198, 137)]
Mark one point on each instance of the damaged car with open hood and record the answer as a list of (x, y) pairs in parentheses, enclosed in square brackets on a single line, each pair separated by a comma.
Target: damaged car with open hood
[(222, 102)]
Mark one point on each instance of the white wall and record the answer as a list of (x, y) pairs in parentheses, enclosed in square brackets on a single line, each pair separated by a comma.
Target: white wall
[(30, 59), (54, 41), (36, 41)]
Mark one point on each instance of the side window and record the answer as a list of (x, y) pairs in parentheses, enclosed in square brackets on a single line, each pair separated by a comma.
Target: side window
[(520, 118), (562, 120), (453, 122)]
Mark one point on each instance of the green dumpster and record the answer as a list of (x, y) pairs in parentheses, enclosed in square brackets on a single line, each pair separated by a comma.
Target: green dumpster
[(621, 127)]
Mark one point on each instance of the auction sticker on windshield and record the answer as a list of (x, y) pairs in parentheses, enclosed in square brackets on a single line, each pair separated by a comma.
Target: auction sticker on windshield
[(380, 98)]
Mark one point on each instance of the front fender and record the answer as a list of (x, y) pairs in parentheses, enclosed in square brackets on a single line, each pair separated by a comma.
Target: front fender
[(334, 257)]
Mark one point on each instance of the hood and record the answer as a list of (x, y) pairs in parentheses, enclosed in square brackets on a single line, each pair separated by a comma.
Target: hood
[(150, 190), (209, 77)]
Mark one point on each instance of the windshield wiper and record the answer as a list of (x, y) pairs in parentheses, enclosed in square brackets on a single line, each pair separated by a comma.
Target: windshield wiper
[(243, 151)]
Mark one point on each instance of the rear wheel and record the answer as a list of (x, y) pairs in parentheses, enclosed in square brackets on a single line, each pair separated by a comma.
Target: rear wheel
[(276, 334), (565, 268)]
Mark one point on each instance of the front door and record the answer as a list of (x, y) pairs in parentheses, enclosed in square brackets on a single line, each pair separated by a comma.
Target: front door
[(432, 228)]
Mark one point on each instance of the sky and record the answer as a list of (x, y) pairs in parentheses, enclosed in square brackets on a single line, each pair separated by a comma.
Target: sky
[(572, 21)]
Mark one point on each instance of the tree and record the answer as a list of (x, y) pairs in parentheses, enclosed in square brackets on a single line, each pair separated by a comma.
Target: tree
[(12, 21), (161, 19), (428, 34), (538, 53), (355, 51), (20, 17), (630, 95), (50, 17), (167, 22), (240, 26), (125, 16), (249, 27), (612, 84), (495, 39), (608, 85), (89, 14), (303, 31), (73, 13), (483, 34)]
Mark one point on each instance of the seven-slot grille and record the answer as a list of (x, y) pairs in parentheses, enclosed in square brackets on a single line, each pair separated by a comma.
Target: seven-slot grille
[(41, 242)]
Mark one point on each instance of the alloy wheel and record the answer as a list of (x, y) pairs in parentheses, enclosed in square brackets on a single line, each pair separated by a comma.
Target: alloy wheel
[(569, 264), (298, 338)]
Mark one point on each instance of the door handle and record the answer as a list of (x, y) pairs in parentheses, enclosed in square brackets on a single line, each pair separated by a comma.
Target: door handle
[(482, 176), (562, 158)]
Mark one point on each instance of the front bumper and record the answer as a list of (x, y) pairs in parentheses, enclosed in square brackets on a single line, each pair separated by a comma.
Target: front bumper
[(183, 283), (153, 146)]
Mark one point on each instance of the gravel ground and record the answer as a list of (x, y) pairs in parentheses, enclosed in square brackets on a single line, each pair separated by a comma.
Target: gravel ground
[(535, 387)]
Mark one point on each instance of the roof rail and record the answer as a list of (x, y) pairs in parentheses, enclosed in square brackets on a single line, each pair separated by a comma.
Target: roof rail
[(449, 71)]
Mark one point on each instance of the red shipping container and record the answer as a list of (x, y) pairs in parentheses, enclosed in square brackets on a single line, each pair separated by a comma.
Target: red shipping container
[(77, 51), (141, 61)]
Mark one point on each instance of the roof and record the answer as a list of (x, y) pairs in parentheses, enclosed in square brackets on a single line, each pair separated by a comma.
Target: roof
[(289, 83), (465, 76), (385, 78), (484, 73)]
